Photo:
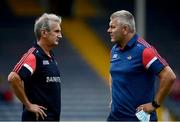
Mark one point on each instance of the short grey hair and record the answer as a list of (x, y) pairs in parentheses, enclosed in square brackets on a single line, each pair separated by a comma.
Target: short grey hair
[(126, 18), (42, 23)]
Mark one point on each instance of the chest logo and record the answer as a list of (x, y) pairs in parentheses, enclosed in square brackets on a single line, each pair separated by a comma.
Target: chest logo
[(115, 56), (45, 62), (53, 79), (129, 57)]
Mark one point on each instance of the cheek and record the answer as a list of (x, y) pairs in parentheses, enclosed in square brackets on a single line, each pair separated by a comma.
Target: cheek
[(53, 36), (116, 33)]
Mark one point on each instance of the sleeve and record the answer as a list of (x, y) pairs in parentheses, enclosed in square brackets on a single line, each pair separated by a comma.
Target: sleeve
[(153, 61), (26, 66)]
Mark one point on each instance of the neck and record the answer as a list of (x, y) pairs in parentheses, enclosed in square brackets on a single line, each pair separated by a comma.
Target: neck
[(45, 48), (125, 40)]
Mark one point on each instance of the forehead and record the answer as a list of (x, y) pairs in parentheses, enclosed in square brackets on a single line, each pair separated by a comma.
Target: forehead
[(113, 21), (54, 25)]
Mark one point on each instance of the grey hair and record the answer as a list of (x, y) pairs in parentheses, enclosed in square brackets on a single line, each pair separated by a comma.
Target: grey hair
[(126, 18), (42, 23)]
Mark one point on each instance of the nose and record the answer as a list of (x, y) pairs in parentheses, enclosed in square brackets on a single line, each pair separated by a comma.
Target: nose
[(59, 36), (108, 30)]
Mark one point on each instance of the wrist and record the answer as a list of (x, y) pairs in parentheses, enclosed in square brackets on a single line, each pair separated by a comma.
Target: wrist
[(27, 105), (155, 104)]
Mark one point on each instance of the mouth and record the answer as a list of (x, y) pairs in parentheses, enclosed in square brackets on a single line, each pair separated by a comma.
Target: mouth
[(58, 38), (57, 41)]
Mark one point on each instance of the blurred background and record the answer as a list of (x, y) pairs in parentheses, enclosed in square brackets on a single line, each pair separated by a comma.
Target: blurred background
[(83, 53)]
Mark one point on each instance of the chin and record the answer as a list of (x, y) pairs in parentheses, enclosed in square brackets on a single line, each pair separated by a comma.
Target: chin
[(56, 43), (113, 41)]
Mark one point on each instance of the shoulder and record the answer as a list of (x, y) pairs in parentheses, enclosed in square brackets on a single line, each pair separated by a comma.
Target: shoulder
[(30, 55), (143, 42), (144, 47), (27, 60)]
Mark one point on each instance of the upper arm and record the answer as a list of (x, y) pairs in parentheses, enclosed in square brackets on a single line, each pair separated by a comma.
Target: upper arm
[(13, 77), (167, 74)]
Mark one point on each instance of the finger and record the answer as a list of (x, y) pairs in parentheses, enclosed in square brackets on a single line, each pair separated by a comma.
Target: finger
[(42, 107), (140, 108), (43, 113), (37, 116)]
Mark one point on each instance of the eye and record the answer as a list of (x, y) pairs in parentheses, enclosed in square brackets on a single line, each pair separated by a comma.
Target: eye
[(57, 31), (112, 27)]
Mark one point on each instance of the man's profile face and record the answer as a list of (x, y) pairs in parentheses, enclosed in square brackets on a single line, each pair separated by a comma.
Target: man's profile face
[(54, 34), (115, 30)]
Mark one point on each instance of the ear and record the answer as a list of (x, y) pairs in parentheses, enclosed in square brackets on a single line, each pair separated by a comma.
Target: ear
[(125, 29), (43, 33)]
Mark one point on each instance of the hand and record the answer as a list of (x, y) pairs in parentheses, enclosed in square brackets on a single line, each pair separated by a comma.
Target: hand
[(148, 108), (38, 110)]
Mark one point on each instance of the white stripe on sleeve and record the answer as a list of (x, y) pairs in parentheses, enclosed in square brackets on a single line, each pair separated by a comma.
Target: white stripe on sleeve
[(28, 67), (150, 62)]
